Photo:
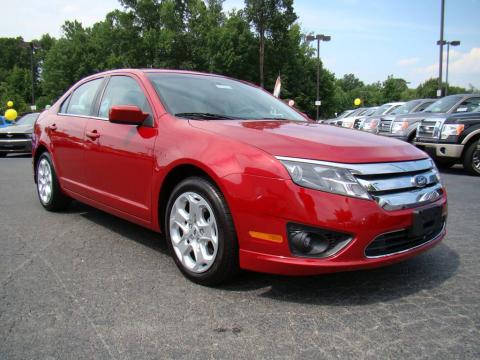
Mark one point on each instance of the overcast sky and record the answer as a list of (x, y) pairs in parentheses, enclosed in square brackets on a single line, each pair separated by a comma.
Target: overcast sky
[(370, 38)]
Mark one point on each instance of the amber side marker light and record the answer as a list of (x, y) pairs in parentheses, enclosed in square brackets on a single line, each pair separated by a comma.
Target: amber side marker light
[(264, 236)]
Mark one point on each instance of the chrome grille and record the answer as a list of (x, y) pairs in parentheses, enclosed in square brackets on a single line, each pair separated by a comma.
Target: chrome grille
[(406, 185), (356, 124), (429, 128), (385, 125)]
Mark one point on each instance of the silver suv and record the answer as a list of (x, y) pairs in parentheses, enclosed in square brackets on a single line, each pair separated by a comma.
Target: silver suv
[(404, 127)]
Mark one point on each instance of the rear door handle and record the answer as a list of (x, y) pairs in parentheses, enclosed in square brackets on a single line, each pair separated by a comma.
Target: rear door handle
[(93, 134)]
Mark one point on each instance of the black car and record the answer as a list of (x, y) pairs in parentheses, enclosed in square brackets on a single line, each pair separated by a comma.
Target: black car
[(17, 138), (452, 139)]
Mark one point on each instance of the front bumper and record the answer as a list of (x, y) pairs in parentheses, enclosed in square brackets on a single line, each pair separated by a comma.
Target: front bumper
[(439, 150), (267, 205), (9, 146)]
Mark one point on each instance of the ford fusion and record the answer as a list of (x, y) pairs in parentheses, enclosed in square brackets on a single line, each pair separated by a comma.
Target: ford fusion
[(233, 177)]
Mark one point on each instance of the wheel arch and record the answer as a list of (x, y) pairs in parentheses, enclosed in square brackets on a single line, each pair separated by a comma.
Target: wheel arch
[(174, 176), (41, 148), (471, 139)]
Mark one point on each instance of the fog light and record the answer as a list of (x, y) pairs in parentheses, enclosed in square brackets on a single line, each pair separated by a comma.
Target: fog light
[(309, 241)]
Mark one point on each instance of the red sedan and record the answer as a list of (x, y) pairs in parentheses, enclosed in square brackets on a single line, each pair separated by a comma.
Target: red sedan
[(235, 178)]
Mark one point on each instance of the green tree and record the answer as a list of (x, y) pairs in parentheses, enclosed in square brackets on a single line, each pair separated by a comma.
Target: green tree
[(393, 88), (269, 17)]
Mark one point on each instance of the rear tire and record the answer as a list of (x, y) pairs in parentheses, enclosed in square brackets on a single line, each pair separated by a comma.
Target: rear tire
[(48, 189), (471, 158), (200, 232)]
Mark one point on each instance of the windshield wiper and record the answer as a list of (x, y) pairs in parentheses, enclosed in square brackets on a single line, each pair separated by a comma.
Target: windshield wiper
[(206, 116)]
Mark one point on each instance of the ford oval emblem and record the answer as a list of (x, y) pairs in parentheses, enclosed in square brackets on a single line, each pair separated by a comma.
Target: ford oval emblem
[(419, 181)]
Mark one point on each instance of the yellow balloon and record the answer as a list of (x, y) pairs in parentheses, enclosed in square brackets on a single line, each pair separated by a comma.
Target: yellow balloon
[(11, 114), (357, 102), (10, 103)]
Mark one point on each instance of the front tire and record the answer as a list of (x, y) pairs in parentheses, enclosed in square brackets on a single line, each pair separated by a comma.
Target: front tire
[(200, 232), (471, 158), (48, 189)]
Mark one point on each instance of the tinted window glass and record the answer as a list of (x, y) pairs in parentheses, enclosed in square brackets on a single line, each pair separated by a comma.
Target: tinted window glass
[(424, 106), (82, 98), (443, 105), (28, 119), (212, 96), (123, 90), (405, 108), (468, 105), (63, 108)]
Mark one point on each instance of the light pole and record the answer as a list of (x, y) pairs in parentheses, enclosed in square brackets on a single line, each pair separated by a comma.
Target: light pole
[(453, 43), (319, 37), (441, 42), (448, 43), (32, 48)]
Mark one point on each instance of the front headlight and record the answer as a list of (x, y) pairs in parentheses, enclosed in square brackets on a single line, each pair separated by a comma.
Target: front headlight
[(370, 124), (451, 130), (399, 126), (325, 178)]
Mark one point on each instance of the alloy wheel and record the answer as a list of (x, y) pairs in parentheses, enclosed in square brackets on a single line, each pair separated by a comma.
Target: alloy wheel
[(193, 232), (44, 181)]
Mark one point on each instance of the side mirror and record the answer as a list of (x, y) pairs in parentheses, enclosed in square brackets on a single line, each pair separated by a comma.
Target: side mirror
[(126, 114)]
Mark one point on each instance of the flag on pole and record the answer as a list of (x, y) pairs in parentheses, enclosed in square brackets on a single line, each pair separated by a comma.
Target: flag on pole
[(278, 87)]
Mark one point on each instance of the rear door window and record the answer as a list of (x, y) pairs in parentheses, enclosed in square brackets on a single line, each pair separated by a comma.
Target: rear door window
[(81, 101)]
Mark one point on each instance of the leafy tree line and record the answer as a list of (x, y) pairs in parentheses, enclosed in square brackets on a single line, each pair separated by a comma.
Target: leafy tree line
[(256, 43)]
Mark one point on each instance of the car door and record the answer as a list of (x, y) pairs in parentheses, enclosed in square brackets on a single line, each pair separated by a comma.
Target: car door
[(66, 131), (120, 157)]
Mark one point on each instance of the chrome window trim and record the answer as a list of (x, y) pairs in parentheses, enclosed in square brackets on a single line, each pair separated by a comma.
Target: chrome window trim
[(373, 168), (83, 116)]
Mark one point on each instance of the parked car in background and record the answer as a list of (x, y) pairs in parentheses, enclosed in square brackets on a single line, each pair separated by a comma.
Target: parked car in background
[(17, 138), (4, 122), (350, 120), (338, 120), (452, 139), (405, 126), (393, 125), (371, 122), (234, 177)]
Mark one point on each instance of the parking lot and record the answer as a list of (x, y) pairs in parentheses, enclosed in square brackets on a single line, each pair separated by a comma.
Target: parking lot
[(86, 285)]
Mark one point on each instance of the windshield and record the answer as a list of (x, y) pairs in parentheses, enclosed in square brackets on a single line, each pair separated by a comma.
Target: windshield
[(345, 114), (28, 119), (405, 108), (443, 105), (370, 111), (381, 110), (213, 97)]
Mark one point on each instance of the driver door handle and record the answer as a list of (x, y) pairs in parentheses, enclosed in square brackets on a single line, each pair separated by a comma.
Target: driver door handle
[(93, 134), (52, 127)]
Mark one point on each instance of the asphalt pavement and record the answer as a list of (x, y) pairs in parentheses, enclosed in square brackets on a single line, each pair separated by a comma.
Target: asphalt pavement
[(86, 285)]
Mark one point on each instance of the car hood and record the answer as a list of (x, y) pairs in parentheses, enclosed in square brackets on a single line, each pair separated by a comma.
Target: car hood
[(19, 129), (312, 141), (420, 115)]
